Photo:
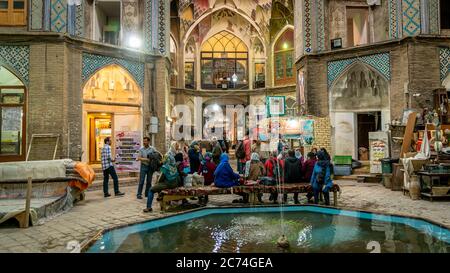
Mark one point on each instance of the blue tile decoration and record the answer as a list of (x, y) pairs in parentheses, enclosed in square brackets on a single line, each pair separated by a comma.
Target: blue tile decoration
[(148, 25), (79, 20), (163, 24), (433, 7), (58, 16), (411, 17), (16, 58), (320, 25), (307, 31), (444, 61), (380, 62), (156, 26), (394, 8), (93, 63), (36, 14)]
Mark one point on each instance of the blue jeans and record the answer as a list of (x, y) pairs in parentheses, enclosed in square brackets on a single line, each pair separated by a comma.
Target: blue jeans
[(145, 171), (106, 173), (240, 166)]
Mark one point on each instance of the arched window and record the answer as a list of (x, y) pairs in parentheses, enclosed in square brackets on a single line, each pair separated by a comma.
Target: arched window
[(284, 59), (12, 116), (224, 62)]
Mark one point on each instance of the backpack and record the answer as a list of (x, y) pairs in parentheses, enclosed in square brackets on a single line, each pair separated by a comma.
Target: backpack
[(240, 151), (155, 160)]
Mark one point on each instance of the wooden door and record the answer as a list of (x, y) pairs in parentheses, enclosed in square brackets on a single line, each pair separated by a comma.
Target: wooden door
[(92, 140)]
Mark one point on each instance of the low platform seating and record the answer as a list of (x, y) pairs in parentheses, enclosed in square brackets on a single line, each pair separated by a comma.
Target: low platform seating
[(184, 193)]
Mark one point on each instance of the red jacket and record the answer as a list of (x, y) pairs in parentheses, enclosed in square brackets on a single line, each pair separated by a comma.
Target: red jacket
[(270, 164), (208, 172), (308, 168), (247, 149)]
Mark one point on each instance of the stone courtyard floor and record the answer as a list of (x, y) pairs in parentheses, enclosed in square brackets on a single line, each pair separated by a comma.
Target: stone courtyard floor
[(95, 213)]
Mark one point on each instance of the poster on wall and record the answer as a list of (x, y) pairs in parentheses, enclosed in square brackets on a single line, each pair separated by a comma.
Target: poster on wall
[(298, 128), (128, 144), (379, 149)]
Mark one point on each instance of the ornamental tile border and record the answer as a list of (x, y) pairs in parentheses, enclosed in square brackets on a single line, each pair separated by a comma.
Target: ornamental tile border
[(93, 63), (380, 62)]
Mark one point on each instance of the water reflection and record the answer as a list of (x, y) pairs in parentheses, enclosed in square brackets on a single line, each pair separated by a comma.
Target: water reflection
[(258, 232)]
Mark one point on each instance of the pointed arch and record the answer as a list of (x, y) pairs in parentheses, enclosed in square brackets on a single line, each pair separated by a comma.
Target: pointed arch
[(212, 11), (283, 56), (359, 87), (13, 109), (112, 83)]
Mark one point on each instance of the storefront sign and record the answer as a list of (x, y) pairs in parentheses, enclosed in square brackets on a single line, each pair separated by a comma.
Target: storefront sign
[(128, 144), (379, 149)]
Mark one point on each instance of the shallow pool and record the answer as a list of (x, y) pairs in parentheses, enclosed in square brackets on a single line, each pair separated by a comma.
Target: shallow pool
[(247, 230)]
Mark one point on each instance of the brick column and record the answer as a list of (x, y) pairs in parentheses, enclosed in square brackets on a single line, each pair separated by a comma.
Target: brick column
[(161, 101)]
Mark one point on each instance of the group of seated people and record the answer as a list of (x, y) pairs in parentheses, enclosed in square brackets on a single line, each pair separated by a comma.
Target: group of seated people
[(279, 168)]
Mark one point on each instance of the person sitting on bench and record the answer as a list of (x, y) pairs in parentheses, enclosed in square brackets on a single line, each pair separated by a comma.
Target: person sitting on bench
[(169, 179), (225, 177), (321, 178)]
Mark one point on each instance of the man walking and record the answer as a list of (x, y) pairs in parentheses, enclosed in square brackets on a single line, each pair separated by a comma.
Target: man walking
[(108, 169), (146, 153)]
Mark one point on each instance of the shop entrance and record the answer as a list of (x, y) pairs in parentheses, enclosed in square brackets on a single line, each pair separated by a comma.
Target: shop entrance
[(112, 107), (100, 127), (367, 122)]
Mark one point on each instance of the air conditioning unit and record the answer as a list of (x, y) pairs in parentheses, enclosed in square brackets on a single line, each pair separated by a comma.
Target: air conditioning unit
[(374, 2)]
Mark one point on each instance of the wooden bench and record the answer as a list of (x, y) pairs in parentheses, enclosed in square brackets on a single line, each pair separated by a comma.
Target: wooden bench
[(253, 191)]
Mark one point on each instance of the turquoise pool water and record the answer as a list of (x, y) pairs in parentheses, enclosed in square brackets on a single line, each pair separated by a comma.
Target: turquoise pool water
[(247, 230)]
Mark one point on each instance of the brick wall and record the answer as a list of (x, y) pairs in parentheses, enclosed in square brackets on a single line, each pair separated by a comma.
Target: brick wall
[(322, 133), (414, 65), (47, 99)]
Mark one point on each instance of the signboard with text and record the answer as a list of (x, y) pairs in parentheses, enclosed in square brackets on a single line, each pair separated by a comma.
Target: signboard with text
[(379, 149), (128, 144)]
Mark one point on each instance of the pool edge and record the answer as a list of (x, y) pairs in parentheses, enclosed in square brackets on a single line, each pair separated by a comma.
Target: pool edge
[(91, 241)]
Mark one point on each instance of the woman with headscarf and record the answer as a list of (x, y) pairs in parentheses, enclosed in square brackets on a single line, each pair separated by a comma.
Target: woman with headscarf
[(169, 179), (254, 168), (321, 178), (207, 168), (194, 157), (224, 176), (216, 151)]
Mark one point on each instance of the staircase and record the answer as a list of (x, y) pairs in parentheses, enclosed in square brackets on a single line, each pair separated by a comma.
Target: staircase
[(125, 179)]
